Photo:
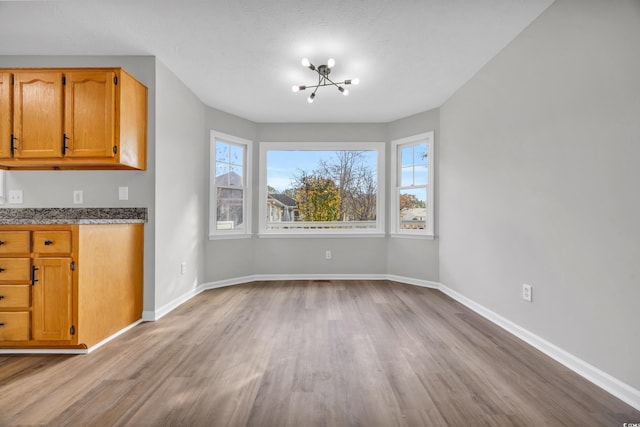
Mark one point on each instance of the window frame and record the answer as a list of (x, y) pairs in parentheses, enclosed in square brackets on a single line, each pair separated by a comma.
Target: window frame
[(246, 231), (396, 168), (379, 147)]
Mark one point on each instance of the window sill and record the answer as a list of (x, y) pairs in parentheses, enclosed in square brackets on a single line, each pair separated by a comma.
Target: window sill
[(229, 236), (320, 235), (412, 236)]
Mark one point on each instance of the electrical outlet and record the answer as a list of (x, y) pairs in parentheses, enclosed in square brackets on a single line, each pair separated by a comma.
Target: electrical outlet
[(183, 267), (78, 197), (123, 193), (15, 197), (527, 293), (327, 255)]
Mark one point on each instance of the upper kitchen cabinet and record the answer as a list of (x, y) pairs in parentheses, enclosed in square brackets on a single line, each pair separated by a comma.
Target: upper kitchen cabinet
[(74, 119), (37, 115)]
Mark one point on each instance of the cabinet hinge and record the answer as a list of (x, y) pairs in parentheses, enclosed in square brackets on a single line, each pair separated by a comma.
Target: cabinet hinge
[(115, 150), (73, 266), (12, 81), (115, 80), (64, 80), (72, 330), (13, 148)]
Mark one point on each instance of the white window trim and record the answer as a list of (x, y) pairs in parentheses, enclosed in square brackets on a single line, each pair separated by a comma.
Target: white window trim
[(245, 232), (311, 146), (396, 231)]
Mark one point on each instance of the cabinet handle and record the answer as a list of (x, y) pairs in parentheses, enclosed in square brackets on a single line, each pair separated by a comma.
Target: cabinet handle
[(1, 297), (1, 269), (14, 147), (33, 275), (2, 242), (1, 325), (48, 243), (64, 144)]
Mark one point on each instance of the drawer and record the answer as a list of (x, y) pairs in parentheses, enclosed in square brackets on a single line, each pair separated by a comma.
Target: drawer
[(51, 242), (15, 296), (15, 269), (14, 325), (14, 242)]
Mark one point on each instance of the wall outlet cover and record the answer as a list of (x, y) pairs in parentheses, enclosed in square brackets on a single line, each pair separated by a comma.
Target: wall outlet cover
[(15, 197)]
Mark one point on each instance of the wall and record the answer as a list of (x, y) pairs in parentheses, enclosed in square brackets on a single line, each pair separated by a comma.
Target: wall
[(232, 259), (181, 188), (229, 258), (539, 183), (350, 256), (408, 257), (55, 188)]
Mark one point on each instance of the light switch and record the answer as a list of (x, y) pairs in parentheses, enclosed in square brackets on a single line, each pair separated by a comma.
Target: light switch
[(123, 193)]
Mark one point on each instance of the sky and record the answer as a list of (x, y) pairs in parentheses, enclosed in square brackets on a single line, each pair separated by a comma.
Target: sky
[(283, 165)]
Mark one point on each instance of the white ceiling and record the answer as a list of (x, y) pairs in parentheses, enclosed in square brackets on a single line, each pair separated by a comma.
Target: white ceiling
[(243, 56)]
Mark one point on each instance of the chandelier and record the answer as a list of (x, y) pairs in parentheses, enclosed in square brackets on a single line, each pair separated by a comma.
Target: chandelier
[(323, 79)]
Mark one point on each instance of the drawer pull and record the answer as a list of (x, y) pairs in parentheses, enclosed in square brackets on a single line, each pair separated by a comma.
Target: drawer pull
[(1, 297), (2, 242), (48, 243), (1, 325), (1, 269)]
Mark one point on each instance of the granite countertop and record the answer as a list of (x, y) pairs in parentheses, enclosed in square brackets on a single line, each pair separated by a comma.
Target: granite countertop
[(73, 215)]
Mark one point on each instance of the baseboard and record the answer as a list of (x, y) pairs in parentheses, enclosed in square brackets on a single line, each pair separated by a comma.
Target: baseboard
[(68, 350), (416, 282), (612, 385)]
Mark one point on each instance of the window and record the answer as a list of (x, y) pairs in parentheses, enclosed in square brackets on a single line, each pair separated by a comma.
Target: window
[(230, 194), (321, 189), (412, 182)]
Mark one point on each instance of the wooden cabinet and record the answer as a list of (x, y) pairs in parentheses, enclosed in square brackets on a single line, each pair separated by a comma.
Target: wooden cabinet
[(72, 119), (68, 286), (37, 115), (52, 297)]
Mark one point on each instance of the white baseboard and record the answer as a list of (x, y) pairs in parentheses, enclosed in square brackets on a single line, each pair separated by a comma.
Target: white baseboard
[(416, 282), (612, 385), (69, 350)]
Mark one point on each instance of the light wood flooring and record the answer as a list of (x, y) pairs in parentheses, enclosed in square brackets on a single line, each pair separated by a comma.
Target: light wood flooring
[(307, 353)]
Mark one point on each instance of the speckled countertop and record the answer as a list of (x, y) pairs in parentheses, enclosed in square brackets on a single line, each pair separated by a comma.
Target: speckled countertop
[(73, 215)]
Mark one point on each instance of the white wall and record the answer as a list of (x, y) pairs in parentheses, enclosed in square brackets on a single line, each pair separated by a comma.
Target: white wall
[(407, 257), (539, 183), (55, 188), (181, 188), (230, 259)]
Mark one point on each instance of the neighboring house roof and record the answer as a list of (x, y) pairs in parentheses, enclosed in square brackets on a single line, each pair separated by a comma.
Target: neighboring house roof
[(230, 178), (409, 214), (283, 199)]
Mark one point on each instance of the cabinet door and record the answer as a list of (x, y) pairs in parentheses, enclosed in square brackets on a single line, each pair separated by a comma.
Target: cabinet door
[(52, 299), (37, 114), (89, 114), (5, 115)]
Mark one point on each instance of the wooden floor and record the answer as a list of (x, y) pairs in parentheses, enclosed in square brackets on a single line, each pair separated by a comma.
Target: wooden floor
[(307, 353)]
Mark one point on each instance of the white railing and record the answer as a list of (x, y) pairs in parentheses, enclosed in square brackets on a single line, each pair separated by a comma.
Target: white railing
[(321, 225)]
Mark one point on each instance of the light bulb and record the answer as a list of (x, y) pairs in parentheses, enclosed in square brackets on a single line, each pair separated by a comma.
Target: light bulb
[(305, 62), (310, 98), (345, 92), (331, 62), (355, 81), (295, 88)]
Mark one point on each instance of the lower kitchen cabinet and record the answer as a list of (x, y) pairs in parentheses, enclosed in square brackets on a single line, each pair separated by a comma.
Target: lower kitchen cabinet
[(68, 286)]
